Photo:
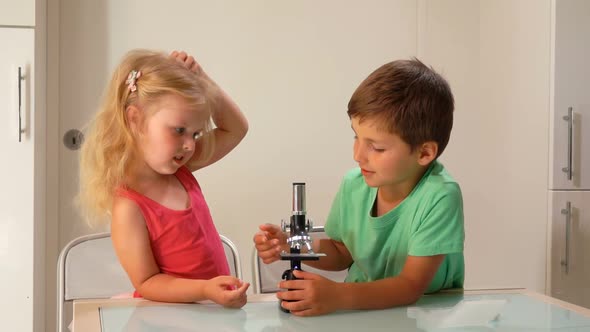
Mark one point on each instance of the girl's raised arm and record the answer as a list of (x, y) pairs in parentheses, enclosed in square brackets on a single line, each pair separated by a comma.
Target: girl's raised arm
[(231, 124)]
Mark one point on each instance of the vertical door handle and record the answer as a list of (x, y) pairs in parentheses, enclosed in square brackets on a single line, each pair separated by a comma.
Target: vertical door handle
[(570, 119), (20, 79), (568, 218)]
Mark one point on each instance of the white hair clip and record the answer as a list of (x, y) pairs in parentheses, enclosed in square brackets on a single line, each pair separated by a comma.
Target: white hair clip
[(132, 79)]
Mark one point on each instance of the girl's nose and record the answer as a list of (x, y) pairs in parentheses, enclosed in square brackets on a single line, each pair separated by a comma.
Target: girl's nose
[(189, 145)]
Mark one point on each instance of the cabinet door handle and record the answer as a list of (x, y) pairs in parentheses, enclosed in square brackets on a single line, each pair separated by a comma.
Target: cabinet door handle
[(570, 119), (568, 218), (20, 79)]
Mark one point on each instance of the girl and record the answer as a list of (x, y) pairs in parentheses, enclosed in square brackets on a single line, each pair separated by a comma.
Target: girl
[(153, 130)]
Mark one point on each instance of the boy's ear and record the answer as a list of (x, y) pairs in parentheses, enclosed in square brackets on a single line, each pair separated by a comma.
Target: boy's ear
[(133, 115), (427, 153)]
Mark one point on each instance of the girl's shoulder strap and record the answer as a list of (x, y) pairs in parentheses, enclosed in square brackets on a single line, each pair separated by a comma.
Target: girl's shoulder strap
[(186, 177), (129, 194)]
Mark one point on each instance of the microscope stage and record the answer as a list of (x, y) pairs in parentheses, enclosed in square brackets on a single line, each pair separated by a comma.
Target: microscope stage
[(301, 257)]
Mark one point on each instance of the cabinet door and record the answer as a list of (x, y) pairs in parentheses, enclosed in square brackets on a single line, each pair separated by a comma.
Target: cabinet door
[(570, 143), (570, 246), (16, 178), (17, 12)]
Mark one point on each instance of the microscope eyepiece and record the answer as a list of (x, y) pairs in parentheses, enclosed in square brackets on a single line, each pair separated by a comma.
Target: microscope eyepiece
[(299, 198)]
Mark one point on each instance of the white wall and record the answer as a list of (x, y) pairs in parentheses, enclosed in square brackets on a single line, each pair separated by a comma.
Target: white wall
[(292, 67), (496, 57)]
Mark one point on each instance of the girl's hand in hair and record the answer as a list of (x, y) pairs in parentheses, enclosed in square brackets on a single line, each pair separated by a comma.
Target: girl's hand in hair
[(187, 60)]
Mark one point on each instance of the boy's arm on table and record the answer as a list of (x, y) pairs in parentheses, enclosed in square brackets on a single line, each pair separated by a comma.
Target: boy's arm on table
[(405, 288), (131, 242), (314, 295)]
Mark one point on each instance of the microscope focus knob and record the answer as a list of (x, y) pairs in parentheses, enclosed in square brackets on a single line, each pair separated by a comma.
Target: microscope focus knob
[(286, 227)]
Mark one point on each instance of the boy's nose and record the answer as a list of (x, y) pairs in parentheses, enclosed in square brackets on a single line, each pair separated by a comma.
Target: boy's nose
[(357, 153)]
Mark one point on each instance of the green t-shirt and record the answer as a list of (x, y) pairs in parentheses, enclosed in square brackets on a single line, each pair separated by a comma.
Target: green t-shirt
[(426, 223)]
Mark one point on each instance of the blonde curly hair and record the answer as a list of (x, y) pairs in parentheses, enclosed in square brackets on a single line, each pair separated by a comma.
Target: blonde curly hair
[(110, 148)]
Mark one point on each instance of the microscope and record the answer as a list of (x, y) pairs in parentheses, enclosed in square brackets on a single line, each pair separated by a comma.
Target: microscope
[(298, 230)]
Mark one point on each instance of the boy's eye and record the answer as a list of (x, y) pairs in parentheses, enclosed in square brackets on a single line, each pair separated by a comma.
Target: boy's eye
[(377, 149), (180, 130), (197, 135)]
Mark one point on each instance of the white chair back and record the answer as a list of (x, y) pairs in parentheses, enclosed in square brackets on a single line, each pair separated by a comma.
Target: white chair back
[(88, 268), (233, 257)]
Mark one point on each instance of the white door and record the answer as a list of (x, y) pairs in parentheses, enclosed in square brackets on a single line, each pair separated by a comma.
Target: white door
[(17, 13), (571, 102), (570, 246), (16, 177)]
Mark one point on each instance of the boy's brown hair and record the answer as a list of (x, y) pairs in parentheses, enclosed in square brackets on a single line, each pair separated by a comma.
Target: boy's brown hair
[(409, 99)]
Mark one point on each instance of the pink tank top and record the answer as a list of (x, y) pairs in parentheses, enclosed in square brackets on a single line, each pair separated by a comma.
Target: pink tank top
[(185, 243)]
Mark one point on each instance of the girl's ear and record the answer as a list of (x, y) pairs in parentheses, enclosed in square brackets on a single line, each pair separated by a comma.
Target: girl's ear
[(427, 153), (133, 115)]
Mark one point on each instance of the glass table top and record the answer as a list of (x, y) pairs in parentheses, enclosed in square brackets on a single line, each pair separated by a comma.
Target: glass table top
[(448, 312)]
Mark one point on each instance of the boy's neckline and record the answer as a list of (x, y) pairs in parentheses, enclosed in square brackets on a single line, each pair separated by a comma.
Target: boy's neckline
[(390, 206)]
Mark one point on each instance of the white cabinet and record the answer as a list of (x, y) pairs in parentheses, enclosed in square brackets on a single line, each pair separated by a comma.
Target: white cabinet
[(17, 222), (17, 12), (569, 175), (571, 139), (570, 238), (570, 143)]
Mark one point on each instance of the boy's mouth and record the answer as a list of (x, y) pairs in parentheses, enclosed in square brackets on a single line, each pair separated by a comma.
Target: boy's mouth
[(365, 172)]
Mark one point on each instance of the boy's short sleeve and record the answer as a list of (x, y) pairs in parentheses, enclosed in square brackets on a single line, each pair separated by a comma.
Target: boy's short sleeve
[(333, 226), (441, 230)]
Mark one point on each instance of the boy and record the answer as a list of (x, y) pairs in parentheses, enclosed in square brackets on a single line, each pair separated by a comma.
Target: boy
[(396, 223)]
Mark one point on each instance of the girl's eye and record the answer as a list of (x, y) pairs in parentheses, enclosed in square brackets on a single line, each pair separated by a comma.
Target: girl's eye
[(377, 150), (197, 135), (179, 130)]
